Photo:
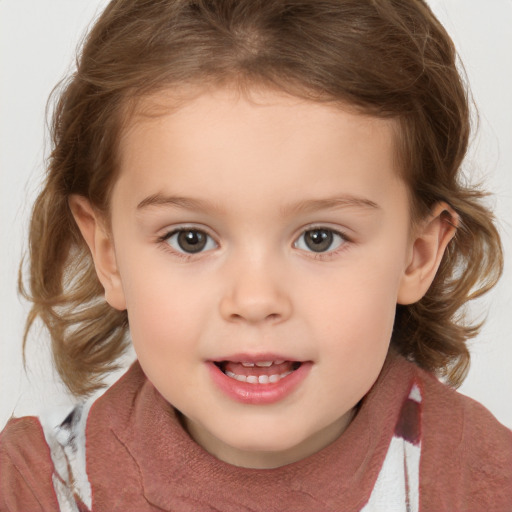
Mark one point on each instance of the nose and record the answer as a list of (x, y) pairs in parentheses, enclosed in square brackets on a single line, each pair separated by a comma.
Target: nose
[(255, 292)]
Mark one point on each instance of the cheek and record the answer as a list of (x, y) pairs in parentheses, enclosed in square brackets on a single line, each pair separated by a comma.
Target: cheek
[(355, 313), (367, 289), (162, 305), (159, 318), (164, 328), (358, 326)]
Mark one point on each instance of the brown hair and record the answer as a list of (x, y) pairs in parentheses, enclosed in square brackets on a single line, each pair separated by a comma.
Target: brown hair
[(388, 58)]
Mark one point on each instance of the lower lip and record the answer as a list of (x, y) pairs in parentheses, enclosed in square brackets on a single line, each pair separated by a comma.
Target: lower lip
[(258, 394)]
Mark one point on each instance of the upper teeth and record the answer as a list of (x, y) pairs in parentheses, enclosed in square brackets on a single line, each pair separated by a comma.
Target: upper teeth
[(261, 364)]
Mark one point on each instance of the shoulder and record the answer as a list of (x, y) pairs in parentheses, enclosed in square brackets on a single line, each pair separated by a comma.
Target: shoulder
[(463, 421), (466, 459), (43, 459), (26, 467)]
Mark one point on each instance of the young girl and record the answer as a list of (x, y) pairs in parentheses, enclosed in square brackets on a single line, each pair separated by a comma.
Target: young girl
[(263, 197)]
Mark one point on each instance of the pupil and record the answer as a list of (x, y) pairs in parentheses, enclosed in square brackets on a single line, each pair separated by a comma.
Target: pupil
[(192, 241), (318, 240)]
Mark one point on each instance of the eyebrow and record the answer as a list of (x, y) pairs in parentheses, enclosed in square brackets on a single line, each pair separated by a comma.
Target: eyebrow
[(187, 203), (338, 202), (305, 206)]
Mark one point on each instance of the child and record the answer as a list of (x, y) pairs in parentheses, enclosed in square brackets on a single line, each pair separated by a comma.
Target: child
[(265, 196)]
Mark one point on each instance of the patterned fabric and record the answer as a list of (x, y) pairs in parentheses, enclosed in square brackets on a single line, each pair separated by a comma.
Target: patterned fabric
[(66, 441), (396, 488)]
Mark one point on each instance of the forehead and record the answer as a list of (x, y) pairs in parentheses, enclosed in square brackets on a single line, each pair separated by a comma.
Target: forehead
[(223, 139), (201, 106)]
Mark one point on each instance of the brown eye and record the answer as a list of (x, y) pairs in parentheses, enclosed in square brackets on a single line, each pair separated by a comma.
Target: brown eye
[(319, 240), (190, 241)]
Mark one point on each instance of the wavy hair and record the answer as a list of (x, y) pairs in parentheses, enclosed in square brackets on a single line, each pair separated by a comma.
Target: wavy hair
[(387, 58)]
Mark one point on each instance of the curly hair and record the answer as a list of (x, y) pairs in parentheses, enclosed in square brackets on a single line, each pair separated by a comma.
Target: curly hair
[(387, 58)]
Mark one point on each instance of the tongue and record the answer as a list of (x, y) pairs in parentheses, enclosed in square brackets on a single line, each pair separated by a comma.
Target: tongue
[(275, 369)]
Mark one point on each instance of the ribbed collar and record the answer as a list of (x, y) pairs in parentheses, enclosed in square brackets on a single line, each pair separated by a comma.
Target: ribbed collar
[(174, 470)]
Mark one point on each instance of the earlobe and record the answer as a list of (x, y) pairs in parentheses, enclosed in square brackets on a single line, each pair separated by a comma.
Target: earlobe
[(427, 250), (101, 246)]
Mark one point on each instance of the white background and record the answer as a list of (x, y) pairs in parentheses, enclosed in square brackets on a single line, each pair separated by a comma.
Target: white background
[(37, 43)]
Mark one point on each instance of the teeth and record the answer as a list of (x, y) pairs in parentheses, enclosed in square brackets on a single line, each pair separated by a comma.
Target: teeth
[(264, 364), (261, 364), (262, 379)]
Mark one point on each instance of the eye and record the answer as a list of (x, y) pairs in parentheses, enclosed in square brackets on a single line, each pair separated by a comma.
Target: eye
[(319, 240), (190, 241)]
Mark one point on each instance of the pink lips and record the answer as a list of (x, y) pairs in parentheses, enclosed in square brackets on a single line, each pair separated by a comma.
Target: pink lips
[(257, 393)]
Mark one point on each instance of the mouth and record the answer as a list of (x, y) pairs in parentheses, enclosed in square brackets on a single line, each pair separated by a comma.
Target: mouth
[(258, 372), (258, 380)]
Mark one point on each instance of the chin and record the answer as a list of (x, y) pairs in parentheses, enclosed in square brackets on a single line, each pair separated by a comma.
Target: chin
[(271, 441), (264, 446)]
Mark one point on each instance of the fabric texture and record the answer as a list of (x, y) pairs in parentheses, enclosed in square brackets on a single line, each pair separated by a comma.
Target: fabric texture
[(414, 443)]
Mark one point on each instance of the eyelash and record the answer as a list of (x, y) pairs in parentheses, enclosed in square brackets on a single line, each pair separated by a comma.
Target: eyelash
[(344, 240)]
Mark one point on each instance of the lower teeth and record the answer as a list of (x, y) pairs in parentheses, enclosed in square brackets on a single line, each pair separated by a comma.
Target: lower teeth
[(262, 379)]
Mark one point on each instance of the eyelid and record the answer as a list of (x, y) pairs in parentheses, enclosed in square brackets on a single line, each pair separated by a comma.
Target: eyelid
[(170, 230)]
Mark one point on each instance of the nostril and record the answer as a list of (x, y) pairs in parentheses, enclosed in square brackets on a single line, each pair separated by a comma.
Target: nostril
[(256, 304), (251, 317)]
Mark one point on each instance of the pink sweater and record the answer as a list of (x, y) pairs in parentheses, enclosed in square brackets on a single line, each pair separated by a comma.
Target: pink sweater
[(139, 458)]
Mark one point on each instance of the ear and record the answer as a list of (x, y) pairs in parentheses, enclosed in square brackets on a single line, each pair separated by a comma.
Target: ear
[(427, 249), (101, 245)]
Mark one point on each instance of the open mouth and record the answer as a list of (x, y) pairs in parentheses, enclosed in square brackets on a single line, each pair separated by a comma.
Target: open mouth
[(258, 372)]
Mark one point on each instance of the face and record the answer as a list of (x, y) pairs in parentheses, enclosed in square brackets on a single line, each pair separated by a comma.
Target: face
[(260, 245)]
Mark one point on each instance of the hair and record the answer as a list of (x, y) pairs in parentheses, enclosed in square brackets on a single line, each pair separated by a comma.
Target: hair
[(387, 58)]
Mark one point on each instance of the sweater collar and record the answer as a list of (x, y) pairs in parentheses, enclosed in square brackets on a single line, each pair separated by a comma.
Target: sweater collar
[(174, 469)]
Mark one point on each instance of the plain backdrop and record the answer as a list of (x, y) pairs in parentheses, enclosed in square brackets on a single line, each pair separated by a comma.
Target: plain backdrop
[(38, 39)]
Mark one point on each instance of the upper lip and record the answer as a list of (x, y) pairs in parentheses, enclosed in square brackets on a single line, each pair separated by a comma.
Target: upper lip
[(255, 358)]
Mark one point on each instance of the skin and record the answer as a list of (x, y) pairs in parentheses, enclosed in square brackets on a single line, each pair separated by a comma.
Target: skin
[(257, 173)]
